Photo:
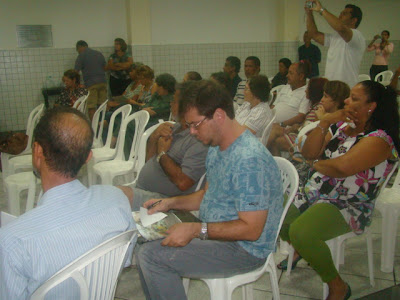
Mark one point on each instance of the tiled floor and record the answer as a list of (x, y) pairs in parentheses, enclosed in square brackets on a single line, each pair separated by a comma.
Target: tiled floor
[(303, 282)]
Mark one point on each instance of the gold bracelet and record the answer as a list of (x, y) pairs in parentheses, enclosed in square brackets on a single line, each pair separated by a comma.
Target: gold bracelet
[(324, 130)]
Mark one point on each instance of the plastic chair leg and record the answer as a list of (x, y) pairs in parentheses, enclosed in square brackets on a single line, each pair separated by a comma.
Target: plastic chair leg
[(186, 282), (389, 232), (290, 261), (370, 259)]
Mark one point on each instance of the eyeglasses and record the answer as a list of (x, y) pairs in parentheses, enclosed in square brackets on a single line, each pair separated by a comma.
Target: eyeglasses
[(195, 125)]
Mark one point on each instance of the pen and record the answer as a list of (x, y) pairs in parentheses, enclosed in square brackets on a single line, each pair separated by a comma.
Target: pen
[(154, 204)]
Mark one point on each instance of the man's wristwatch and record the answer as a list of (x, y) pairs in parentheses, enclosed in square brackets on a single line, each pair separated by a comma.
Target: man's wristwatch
[(159, 156), (203, 232), (321, 11)]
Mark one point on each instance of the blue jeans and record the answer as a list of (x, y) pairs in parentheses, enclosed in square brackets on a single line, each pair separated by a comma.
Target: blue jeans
[(161, 268)]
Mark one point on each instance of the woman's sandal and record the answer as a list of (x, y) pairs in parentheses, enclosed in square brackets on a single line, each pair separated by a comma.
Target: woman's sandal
[(284, 263)]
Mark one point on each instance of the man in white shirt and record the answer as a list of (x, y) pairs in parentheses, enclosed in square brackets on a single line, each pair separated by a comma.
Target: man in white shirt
[(251, 68), (346, 44), (291, 105)]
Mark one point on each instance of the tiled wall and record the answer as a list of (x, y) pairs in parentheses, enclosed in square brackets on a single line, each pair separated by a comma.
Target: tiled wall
[(23, 72)]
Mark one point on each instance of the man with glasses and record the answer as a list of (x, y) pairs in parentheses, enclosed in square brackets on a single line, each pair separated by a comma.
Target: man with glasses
[(175, 160), (346, 44), (240, 205)]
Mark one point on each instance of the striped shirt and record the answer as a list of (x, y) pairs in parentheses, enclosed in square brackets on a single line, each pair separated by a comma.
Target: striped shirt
[(69, 220), (256, 118), (239, 97)]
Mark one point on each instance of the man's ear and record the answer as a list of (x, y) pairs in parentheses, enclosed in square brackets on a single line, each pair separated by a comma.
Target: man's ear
[(219, 115), (89, 157), (37, 155)]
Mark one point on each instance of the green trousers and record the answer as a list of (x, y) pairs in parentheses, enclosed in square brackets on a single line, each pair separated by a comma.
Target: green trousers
[(307, 232)]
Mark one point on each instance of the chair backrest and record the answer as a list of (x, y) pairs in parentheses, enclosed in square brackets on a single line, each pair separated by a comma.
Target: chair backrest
[(384, 76), (96, 272), (363, 77), (396, 183), (33, 119), (124, 111), (267, 130), (141, 119), (276, 89), (98, 124), (142, 147), (290, 184), (306, 129), (80, 104)]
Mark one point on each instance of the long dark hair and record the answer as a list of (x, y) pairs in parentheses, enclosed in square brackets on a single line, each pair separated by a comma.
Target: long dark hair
[(386, 114)]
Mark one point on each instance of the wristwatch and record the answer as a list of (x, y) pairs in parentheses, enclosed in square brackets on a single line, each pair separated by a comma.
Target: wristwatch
[(321, 11), (159, 156), (203, 232)]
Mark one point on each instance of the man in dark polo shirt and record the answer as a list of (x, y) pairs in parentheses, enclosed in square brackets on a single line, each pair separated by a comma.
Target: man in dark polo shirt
[(175, 160), (310, 52), (92, 63), (232, 68)]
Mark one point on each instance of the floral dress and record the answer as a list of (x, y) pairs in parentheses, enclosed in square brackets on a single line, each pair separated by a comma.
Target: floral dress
[(355, 195)]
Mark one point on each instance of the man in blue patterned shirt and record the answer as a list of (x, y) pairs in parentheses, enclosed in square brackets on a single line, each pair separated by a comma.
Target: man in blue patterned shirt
[(240, 205), (69, 220)]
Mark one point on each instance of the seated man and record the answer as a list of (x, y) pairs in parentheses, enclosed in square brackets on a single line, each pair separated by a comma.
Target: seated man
[(292, 105), (69, 219), (251, 69), (240, 206), (175, 160), (232, 68)]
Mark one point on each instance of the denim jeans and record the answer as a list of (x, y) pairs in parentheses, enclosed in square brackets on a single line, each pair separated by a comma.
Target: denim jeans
[(161, 268)]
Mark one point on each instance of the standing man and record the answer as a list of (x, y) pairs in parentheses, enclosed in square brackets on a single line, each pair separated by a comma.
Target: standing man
[(92, 63), (346, 44), (69, 219), (232, 68), (251, 68), (310, 52), (240, 206)]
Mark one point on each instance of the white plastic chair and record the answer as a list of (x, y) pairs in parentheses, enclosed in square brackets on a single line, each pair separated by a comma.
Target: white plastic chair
[(81, 103), (106, 152), (267, 130), (384, 77), (14, 185), (388, 204), (222, 288), (363, 77), (336, 246), (98, 125), (33, 118), (276, 89), (107, 170), (96, 272)]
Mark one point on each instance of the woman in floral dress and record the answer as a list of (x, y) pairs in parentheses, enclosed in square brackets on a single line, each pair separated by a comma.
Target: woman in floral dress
[(351, 152)]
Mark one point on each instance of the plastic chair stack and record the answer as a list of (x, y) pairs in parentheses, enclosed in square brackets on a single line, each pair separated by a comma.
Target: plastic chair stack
[(222, 288), (107, 170), (95, 272)]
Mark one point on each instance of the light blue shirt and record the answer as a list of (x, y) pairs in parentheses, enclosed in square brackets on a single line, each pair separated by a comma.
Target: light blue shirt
[(244, 177), (69, 220)]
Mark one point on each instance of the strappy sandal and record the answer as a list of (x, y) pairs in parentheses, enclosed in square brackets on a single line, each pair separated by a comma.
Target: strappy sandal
[(284, 263)]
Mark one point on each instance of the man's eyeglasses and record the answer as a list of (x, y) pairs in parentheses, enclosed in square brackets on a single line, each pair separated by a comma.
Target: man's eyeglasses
[(195, 125)]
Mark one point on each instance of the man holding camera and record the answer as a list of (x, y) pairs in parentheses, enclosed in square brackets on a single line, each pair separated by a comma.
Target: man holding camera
[(346, 44)]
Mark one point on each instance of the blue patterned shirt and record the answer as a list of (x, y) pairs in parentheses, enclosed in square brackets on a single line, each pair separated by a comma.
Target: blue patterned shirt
[(244, 177), (69, 220)]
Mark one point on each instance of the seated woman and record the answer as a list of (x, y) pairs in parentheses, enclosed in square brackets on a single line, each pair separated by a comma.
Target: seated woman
[(276, 141), (158, 106), (255, 113), (192, 75), (280, 77), (132, 91), (351, 152), (73, 90)]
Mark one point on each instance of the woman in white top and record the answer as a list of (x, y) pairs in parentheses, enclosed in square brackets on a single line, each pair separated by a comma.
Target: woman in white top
[(382, 53), (255, 113)]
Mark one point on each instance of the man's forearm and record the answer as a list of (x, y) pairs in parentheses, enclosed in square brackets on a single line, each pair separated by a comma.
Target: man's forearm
[(187, 202), (175, 173)]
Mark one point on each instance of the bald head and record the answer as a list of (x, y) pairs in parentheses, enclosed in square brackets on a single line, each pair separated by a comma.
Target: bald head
[(66, 137)]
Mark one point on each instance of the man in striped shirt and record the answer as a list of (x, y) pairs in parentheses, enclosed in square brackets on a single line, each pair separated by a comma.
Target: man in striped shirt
[(69, 219), (251, 68)]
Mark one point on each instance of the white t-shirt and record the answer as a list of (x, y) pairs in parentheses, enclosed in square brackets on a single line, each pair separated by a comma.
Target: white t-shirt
[(290, 103), (343, 59), (256, 118)]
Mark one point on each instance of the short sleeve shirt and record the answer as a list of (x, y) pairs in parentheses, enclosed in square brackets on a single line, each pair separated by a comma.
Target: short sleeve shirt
[(123, 74), (244, 177), (255, 118), (290, 103)]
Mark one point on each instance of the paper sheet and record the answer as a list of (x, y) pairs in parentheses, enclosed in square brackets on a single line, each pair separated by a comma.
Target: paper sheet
[(147, 219)]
